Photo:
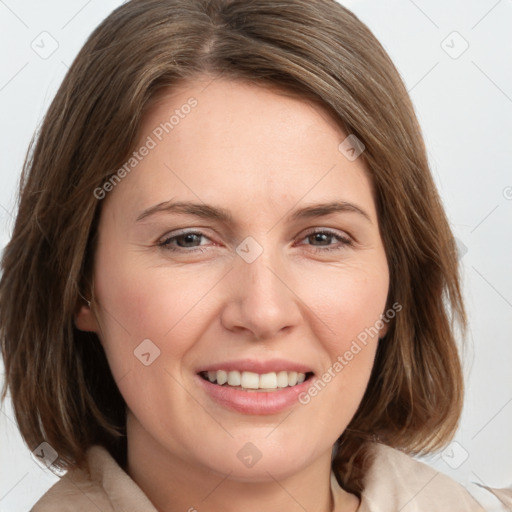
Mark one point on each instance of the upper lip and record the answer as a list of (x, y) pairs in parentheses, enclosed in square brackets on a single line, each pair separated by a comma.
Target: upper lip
[(257, 366)]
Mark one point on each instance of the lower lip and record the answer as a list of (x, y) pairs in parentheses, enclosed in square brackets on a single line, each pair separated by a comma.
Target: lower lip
[(255, 402)]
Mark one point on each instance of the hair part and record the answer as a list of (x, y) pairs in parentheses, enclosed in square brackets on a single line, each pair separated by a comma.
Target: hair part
[(62, 389)]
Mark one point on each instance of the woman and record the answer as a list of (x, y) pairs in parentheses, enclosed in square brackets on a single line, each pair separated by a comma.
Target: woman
[(229, 265)]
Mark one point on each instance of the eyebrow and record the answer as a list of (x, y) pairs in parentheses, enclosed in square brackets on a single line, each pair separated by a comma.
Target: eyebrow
[(206, 211)]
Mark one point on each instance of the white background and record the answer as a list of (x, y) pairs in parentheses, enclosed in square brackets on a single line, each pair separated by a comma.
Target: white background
[(464, 104)]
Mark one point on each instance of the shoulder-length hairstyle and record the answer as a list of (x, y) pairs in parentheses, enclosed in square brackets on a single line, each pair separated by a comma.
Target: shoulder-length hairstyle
[(61, 385)]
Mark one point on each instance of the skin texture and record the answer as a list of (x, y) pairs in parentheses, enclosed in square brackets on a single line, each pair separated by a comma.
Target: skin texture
[(260, 155)]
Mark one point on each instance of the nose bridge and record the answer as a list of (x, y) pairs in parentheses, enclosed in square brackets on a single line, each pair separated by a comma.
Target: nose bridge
[(260, 276), (260, 300)]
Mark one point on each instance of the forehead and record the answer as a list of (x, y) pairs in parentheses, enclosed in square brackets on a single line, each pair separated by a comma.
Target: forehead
[(228, 141)]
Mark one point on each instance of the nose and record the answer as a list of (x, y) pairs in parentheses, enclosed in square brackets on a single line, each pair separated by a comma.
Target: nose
[(261, 302)]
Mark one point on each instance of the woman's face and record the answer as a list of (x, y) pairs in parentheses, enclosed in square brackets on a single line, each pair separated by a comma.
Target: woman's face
[(207, 260)]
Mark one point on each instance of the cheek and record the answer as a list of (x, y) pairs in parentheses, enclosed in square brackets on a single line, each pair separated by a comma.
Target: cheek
[(349, 338), (139, 302), (348, 300), (347, 303)]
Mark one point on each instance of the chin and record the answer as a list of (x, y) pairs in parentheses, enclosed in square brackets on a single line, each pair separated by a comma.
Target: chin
[(259, 461)]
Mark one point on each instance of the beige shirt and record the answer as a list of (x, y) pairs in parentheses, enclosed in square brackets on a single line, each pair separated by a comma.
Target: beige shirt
[(394, 483)]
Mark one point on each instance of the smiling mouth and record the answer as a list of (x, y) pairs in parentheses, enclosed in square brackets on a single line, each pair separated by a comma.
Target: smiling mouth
[(251, 381)]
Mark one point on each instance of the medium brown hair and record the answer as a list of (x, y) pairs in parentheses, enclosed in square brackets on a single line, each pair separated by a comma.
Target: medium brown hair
[(61, 386)]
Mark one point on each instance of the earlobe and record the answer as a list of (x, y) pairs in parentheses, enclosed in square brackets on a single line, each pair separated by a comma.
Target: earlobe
[(383, 331), (85, 319)]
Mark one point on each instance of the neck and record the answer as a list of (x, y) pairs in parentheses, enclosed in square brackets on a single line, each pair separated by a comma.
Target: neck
[(174, 484)]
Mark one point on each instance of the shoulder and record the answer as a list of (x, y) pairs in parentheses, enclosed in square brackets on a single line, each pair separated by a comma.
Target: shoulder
[(396, 481), (77, 490), (103, 485)]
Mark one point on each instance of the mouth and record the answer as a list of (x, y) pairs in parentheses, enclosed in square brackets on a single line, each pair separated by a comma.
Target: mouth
[(255, 382), (255, 387)]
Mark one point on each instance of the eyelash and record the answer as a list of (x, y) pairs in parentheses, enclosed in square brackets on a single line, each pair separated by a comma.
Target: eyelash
[(344, 242)]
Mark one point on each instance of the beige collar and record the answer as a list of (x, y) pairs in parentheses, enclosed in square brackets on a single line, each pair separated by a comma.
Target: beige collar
[(395, 482)]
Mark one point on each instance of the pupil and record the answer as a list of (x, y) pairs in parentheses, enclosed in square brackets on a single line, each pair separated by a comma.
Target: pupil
[(321, 237), (188, 238)]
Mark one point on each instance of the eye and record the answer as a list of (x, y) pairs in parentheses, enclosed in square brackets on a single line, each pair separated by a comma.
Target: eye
[(184, 241), (322, 240)]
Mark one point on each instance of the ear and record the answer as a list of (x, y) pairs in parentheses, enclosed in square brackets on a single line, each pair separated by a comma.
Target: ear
[(384, 330), (85, 319)]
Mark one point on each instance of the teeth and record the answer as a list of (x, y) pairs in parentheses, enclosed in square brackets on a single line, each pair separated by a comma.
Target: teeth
[(234, 378), (268, 381), (222, 377), (251, 380), (282, 380)]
